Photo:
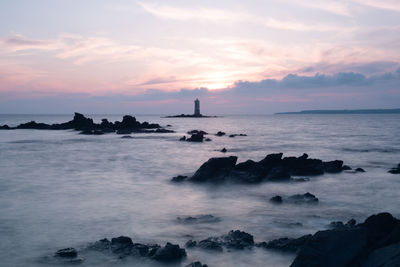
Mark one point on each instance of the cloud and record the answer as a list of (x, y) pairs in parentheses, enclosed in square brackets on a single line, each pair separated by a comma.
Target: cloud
[(392, 5)]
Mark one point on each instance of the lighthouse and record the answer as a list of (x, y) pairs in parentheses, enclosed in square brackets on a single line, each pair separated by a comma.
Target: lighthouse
[(197, 107)]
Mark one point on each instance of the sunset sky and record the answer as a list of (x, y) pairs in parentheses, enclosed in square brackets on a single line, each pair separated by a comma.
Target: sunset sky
[(155, 57)]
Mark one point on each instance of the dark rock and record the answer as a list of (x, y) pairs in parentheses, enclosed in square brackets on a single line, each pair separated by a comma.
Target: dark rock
[(183, 138), (220, 133), (140, 249), (232, 135), (276, 199), (346, 168), (101, 245), (197, 132), (179, 178), (126, 137), (197, 137), (333, 166), (190, 244), (278, 174), (272, 160), (196, 264), (130, 122), (210, 243), (204, 218), (169, 253), (238, 240), (395, 170), (5, 127), (121, 245), (247, 172), (351, 223), (67, 253), (124, 131), (224, 150), (305, 198), (207, 139), (34, 125), (359, 170), (286, 244), (162, 130), (215, 169), (388, 256)]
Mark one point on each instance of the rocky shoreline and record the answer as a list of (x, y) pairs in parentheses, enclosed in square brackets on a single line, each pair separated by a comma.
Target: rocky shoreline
[(375, 242), (86, 126)]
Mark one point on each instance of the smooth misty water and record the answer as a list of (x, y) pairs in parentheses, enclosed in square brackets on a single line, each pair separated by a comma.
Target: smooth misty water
[(60, 189)]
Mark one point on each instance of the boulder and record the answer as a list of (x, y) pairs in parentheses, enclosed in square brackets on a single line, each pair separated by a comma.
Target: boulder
[(220, 133), (67, 253), (169, 253), (5, 127), (215, 169), (121, 245), (80, 122), (178, 178), (190, 244), (210, 243), (286, 244), (346, 168), (304, 198), (224, 150), (197, 137), (238, 240), (276, 199), (395, 170), (183, 138), (359, 170), (334, 166)]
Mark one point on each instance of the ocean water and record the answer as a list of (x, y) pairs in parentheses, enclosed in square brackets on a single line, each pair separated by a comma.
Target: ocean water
[(60, 189)]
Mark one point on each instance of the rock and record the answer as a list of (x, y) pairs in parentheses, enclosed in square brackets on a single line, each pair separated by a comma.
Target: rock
[(196, 264), (67, 253), (80, 122), (305, 198), (207, 139), (238, 240), (365, 244), (278, 174), (234, 135), (359, 170), (183, 138), (220, 133), (101, 245), (210, 244), (169, 253), (126, 137), (197, 137), (5, 127), (224, 150), (286, 244), (124, 131), (204, 218), (333, 166), (162, 130), (197, 132), (129, 122), (247, 172), (276, 199), (272, 160), (215, 169), (190, 244), (388, 256), (121, 245), (179, 178), (395, 170), (34, 125), (346, 168), (92, 132)]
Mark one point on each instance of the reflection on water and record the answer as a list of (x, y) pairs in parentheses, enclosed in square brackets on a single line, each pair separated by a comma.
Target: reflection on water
[(60, 189)]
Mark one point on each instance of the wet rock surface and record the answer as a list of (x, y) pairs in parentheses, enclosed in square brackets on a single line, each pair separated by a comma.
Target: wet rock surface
[(296, 199), (272, 168), (86, 126), (285, 244), (203, 218)]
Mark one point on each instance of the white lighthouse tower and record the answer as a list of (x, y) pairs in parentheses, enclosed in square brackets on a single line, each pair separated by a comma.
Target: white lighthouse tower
[(197, 107)]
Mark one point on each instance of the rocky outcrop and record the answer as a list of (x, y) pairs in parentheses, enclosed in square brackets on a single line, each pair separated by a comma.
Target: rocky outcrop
[(374, 241), (296, 199), (196, 137), (272, 168), (286, 244), (233, 240), (395, 170), (169, 253), (128, 125)]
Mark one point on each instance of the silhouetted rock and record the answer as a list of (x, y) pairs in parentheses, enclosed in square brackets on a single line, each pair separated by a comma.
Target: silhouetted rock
[(234, 135), (286, 244), (207, 139), (340, 224), (67, 253), (395, 170), (215, 169), (169, 253), (196, 264), (203, 218), (305, 198), (238, 240), (121, 245), (190, 244), (197, 132), (124, 131), (224, 150), (361, 245), (34, 125), (126, 137), (178, 178), (346, 168), (220, 133), (183, 138), (162, 130), (272, 168), (197, 137), (5, 127), (388, 256), (276, 199), (359, 170), (210, 244)]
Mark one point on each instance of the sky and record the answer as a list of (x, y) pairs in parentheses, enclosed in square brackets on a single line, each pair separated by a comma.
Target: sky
[(237, 57)]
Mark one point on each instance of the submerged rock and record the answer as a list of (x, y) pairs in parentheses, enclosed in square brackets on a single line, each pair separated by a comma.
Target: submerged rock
[(297, 199), (276, 199), (395, 170), (179, 178), (220, 133), (224, 150), (233, 240), (359, 170), (203, 218), (197, 137), (286, 244), (67, 253), (183, 138), (197, 132)]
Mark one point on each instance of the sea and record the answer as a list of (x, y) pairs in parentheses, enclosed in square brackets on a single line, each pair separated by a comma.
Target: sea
[(61, 189)]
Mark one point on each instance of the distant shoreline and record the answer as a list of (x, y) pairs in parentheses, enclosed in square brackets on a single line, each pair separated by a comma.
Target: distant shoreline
[(346, 111), (190, 116)]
